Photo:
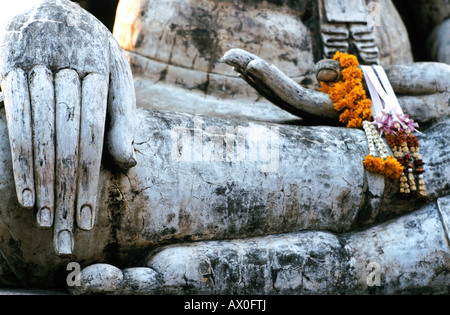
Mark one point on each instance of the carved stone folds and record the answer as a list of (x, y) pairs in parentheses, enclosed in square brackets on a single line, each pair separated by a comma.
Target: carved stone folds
[(343, 26)]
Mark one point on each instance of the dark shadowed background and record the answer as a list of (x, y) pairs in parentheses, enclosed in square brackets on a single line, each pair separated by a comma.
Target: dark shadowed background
[(104, 10)]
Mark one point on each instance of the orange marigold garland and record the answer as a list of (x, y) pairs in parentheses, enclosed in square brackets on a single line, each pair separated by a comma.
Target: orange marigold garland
[(349, 97), (384, 164)]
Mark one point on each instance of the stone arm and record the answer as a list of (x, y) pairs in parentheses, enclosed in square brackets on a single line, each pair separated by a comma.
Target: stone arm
[(278, 88), (422, 88), (64, 78), (316, 182)]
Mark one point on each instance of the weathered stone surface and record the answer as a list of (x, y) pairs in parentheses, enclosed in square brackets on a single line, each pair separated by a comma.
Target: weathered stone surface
[(412, 254), (75, 28), (165, 200), (203, 195), (107, 279), (98, 278), (278, 264), (195, 34), (139, 280), (412, 251), (425, 94), (167, 97), (328, 70)]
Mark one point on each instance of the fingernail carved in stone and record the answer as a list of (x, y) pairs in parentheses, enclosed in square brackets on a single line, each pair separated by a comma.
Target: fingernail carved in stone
[(44, 217), (64, 243), (27, 198), (86, 218)]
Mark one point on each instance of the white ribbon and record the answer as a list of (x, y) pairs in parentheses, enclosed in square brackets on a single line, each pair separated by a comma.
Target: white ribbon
[(384, 100), (377, 106), (392, 104), (382, 94)]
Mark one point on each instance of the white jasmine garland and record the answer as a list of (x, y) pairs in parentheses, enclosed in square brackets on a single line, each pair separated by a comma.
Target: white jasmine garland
[(374, 140)]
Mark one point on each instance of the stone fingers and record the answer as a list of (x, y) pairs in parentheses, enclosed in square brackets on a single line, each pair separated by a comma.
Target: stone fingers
[(68, 111), (80, 121), (56, 131), (18, 116), (279, 88), (94, 94), (238, 59), (42, 98), (302, 101), (121, 110)]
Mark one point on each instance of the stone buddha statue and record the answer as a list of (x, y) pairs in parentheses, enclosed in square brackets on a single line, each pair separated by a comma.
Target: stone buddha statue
[(210, 185)]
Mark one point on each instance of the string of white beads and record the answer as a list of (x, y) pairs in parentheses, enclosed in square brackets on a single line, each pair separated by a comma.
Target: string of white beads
[(374, 140)]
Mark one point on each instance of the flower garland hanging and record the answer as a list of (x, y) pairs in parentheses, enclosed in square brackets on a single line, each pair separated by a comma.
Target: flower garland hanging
[(348, 95), (387, 165), (406, 149), (398, 129)]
